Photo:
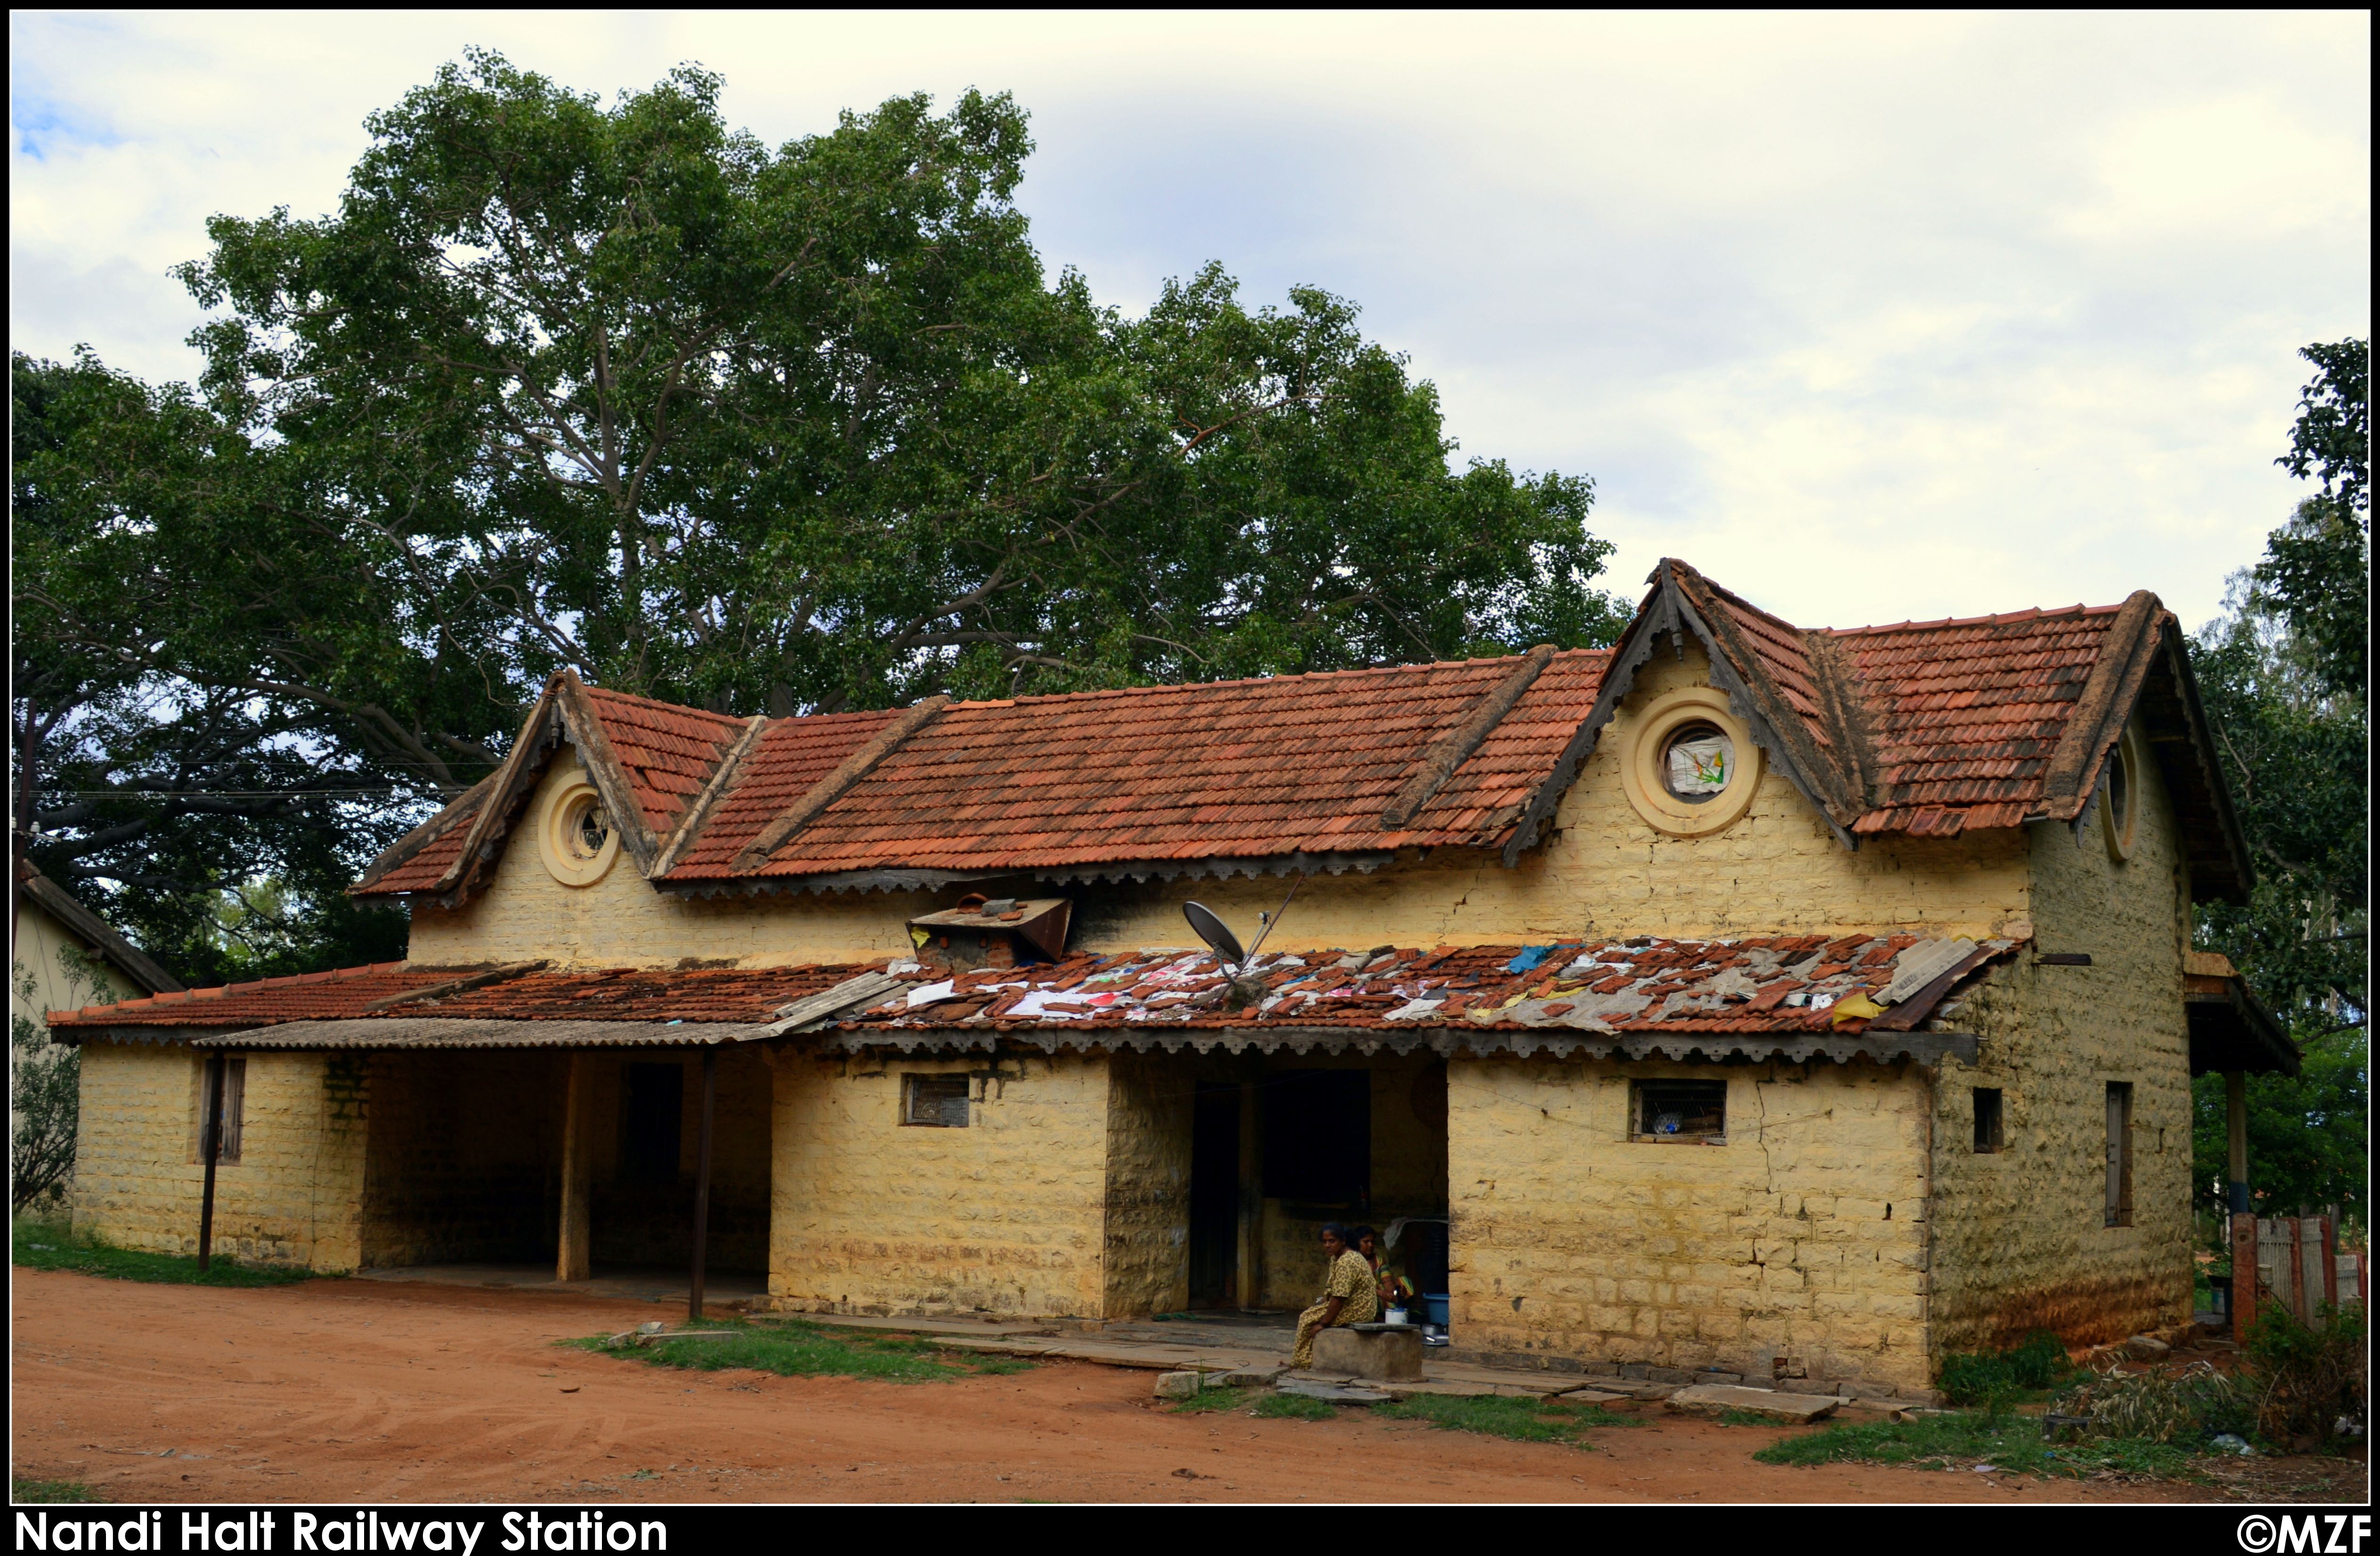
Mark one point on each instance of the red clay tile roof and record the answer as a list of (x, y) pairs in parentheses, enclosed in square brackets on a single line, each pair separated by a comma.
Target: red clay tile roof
[(1926, 728), (668, 752), (793, 754), (1967, 713), (1229, 768), (307, 997), (434, 846), (1778, 983), (615, 994)]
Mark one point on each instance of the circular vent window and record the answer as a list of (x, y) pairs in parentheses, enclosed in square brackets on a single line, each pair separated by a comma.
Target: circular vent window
[(1698, 763), (588, 828)]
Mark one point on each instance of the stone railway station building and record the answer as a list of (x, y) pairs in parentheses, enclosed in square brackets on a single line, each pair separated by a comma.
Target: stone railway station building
[(1744, 999)]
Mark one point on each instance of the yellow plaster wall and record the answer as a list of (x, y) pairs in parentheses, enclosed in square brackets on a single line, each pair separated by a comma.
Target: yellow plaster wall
[(2020, 1239), (1146, 1235), (1008, 1215), (292, 1198), (1796, 1249)]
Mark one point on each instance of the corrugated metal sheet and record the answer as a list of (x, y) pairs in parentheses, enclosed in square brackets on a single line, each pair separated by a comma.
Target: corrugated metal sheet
[(432, 1032)]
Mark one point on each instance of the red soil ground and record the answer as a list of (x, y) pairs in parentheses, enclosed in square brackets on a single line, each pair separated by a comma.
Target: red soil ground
[(336, 1391)]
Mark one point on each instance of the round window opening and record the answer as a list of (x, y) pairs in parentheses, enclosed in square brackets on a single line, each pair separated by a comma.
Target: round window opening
[(1698, 763), (587, 827)]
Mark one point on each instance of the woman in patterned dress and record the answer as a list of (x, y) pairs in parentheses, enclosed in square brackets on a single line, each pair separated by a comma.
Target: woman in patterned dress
[(1350, 1296)]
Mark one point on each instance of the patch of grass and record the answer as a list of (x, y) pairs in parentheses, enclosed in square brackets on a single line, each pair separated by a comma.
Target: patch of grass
[(792, 1348), (51, 1492), (1961, 1439), (1207, 1401), (1522, 1420), (1982, 1376), (1294, 1408), (32, 1245), (1747, 1418)]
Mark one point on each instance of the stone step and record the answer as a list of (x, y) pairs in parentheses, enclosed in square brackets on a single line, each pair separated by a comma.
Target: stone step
[(1717, 1399)]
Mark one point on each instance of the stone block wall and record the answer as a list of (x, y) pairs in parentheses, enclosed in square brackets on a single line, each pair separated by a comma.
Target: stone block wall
[(2022, 1239), (1146, 1240), (294, 1198), (1007, 1215), (1795, 1250)]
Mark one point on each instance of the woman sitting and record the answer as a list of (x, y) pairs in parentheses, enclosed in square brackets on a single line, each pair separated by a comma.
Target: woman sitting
[(1349, 1297)]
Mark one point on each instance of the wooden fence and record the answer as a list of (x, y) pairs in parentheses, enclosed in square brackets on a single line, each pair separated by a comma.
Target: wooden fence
[(2297, 1265)]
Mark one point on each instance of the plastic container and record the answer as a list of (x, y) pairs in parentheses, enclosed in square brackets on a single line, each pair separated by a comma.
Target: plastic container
[(1434, 1306), (1396, 1316)]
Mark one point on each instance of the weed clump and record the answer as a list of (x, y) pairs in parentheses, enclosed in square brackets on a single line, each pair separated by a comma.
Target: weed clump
[(1986, 1377), (2307, 1381)]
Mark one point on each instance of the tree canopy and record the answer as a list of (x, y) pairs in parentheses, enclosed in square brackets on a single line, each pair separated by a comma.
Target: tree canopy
[(2286, 678), (624, 389)]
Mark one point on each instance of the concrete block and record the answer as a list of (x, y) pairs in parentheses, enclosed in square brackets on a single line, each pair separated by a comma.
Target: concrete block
[(1387, 1354), (1718, 1399)]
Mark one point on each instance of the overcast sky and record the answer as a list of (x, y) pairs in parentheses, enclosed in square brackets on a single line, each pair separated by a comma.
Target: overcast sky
[(1868, 318)]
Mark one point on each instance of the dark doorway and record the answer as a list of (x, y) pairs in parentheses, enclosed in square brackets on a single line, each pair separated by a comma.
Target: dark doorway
[(1317, 1139), (653, 1097), (1214, 1193)]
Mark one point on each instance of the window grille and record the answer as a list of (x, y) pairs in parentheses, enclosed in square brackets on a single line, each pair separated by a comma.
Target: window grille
[(934, 1102)]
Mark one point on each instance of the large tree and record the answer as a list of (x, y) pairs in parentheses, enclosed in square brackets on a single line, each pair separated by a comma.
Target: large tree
[(2286, 675), (620, 388)]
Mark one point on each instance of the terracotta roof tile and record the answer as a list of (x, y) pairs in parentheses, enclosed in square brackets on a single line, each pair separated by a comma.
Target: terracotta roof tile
[(1294, 763), (616, 994)]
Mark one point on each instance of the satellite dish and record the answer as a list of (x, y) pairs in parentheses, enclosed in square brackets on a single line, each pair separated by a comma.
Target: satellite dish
[(1218, 936)]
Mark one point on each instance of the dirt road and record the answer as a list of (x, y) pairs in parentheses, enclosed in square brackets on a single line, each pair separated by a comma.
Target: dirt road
[(350, 1390)]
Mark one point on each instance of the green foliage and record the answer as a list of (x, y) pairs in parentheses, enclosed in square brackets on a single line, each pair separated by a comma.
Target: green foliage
[(1522, 1420), (1958, 1441), (793, 1349), (38, 1245), (23, 1490), (1207, 1402), (763, 430), (2308, 1380), (1982, 1376), (2285, 681), (46, 1084), (1294, 1407)]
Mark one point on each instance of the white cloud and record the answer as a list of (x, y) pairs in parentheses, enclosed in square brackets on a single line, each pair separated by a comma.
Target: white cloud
[(1870, 317)]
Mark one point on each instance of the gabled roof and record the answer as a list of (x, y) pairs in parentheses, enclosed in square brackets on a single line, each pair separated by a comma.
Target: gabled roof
[(1932, 728), (1925, 729), (95, 932)]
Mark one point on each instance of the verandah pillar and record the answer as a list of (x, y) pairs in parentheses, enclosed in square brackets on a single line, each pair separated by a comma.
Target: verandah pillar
[(2243, 1213), (576, 1258)]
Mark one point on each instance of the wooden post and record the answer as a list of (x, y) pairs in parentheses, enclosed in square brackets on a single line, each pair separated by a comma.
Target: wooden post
[(702, 1179), (2235, 1106), (575, 1260), (1247, 1271), (209, 1147), (2243, 1275)]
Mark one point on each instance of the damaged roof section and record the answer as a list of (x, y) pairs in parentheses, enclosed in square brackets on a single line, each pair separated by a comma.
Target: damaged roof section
[(1844, 985)]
